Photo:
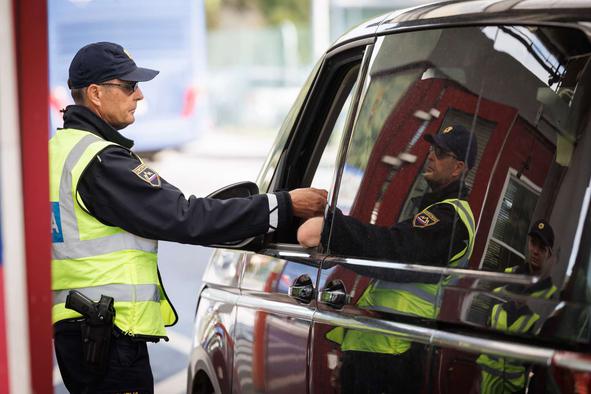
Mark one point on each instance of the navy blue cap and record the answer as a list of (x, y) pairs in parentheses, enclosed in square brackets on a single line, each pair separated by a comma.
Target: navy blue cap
[(457, 140), (542, 229), (102, 61)]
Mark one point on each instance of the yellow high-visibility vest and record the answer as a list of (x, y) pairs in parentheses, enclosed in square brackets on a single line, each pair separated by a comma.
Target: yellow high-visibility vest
[(502, 374), (97, 259), (417, 299)]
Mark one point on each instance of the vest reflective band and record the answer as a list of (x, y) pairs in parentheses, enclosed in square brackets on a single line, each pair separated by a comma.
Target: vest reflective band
[(544, 294), (417, 299), (462, 208), (96, 259), (501, 374)]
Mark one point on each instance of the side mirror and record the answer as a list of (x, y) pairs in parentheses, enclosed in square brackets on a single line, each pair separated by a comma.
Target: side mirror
[(238, 190)]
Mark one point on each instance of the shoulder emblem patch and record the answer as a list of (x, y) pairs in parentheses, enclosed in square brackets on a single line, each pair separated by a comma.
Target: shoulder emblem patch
[(424, 219), (148, 175)]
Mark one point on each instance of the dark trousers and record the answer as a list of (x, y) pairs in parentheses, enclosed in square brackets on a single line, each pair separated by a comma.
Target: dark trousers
[(128, 370), (377, 373)]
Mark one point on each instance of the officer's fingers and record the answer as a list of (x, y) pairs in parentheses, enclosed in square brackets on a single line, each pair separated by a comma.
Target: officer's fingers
[(319, 203), (321, 192), (307, 203)]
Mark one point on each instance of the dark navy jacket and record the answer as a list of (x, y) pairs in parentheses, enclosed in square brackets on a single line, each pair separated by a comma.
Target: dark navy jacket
[(406, 242), (117, 196)]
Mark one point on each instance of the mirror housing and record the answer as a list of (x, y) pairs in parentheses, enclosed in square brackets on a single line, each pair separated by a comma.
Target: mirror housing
[(238, 190)]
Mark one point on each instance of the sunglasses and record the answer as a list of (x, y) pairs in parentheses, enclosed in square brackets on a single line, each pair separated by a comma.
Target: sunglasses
[(441, 153), (128, 87)]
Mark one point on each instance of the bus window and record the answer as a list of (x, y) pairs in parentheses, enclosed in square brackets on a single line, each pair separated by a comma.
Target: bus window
[(169, 36)]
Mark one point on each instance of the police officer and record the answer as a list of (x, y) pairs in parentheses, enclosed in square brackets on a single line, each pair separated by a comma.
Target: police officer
[(108, 208), (382, 363), (505, 375)]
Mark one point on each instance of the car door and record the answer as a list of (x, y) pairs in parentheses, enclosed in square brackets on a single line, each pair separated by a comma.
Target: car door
[(389, 319), (278, 283)]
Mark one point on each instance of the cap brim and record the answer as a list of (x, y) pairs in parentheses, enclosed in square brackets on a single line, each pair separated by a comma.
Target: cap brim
[(429, 138), (139, 75), (432, 139), (540, 236)]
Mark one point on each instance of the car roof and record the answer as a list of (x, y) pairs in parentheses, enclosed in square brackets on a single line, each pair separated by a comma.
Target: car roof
[(470, 12)]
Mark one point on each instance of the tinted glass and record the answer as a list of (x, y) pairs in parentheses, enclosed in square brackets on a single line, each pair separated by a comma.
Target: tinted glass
[(521, 94)]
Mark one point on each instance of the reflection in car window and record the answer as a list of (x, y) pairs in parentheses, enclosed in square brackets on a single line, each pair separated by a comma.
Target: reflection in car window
[(520, 93)]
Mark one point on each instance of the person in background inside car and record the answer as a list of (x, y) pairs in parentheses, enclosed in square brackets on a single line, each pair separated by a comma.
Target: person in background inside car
[(500, 374), (380, 363), (108, 210)]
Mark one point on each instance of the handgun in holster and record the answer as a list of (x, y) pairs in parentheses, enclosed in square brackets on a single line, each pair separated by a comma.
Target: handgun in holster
[(97, 327)]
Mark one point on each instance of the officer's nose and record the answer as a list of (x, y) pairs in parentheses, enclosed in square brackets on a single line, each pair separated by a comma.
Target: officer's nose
[(138, 94), (431, 155)]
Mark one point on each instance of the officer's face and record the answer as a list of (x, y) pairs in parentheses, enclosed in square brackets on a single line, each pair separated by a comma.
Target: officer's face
[(442, 168), (538, 254), (117, 102)]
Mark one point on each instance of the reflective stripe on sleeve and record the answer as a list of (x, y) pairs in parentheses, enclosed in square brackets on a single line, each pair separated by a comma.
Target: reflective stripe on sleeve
[(273, 212)]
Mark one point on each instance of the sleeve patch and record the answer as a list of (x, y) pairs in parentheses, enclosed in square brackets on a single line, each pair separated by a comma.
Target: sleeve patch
[(424, 219), (148, 175)]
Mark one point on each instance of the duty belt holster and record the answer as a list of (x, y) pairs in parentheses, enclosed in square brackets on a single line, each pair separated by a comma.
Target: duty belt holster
[(97, 327)]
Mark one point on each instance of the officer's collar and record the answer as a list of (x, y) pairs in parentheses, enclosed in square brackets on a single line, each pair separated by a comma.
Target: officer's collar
[(453, 190), (81, 118)]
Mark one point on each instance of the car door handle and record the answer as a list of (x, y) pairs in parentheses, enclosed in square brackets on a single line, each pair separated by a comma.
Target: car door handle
[(302, 289), (334, 294)]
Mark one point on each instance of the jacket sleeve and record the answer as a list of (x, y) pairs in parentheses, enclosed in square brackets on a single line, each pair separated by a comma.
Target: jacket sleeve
[(119, 190), (411, 241)]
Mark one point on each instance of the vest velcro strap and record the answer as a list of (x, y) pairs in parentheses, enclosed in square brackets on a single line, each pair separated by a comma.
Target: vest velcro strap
[(119, 292), (78, 249)]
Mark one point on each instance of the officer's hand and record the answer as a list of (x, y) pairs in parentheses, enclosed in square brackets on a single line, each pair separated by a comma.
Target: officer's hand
[(310, 232), (309, 202)]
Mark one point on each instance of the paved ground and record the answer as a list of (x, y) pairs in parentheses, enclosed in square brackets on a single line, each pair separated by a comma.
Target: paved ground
[(215, 160)]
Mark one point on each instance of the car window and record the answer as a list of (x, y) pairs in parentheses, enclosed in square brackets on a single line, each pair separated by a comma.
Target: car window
[(267, 172), (520, 93), (324, 172), (309, 154)]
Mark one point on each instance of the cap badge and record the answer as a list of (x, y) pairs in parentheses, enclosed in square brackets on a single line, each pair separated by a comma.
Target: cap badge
[(127, 53), (541, 226), (447, 129)]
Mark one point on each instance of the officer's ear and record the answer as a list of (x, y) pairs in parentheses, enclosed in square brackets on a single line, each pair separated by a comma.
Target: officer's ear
[(459, 168), (93, 95)]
